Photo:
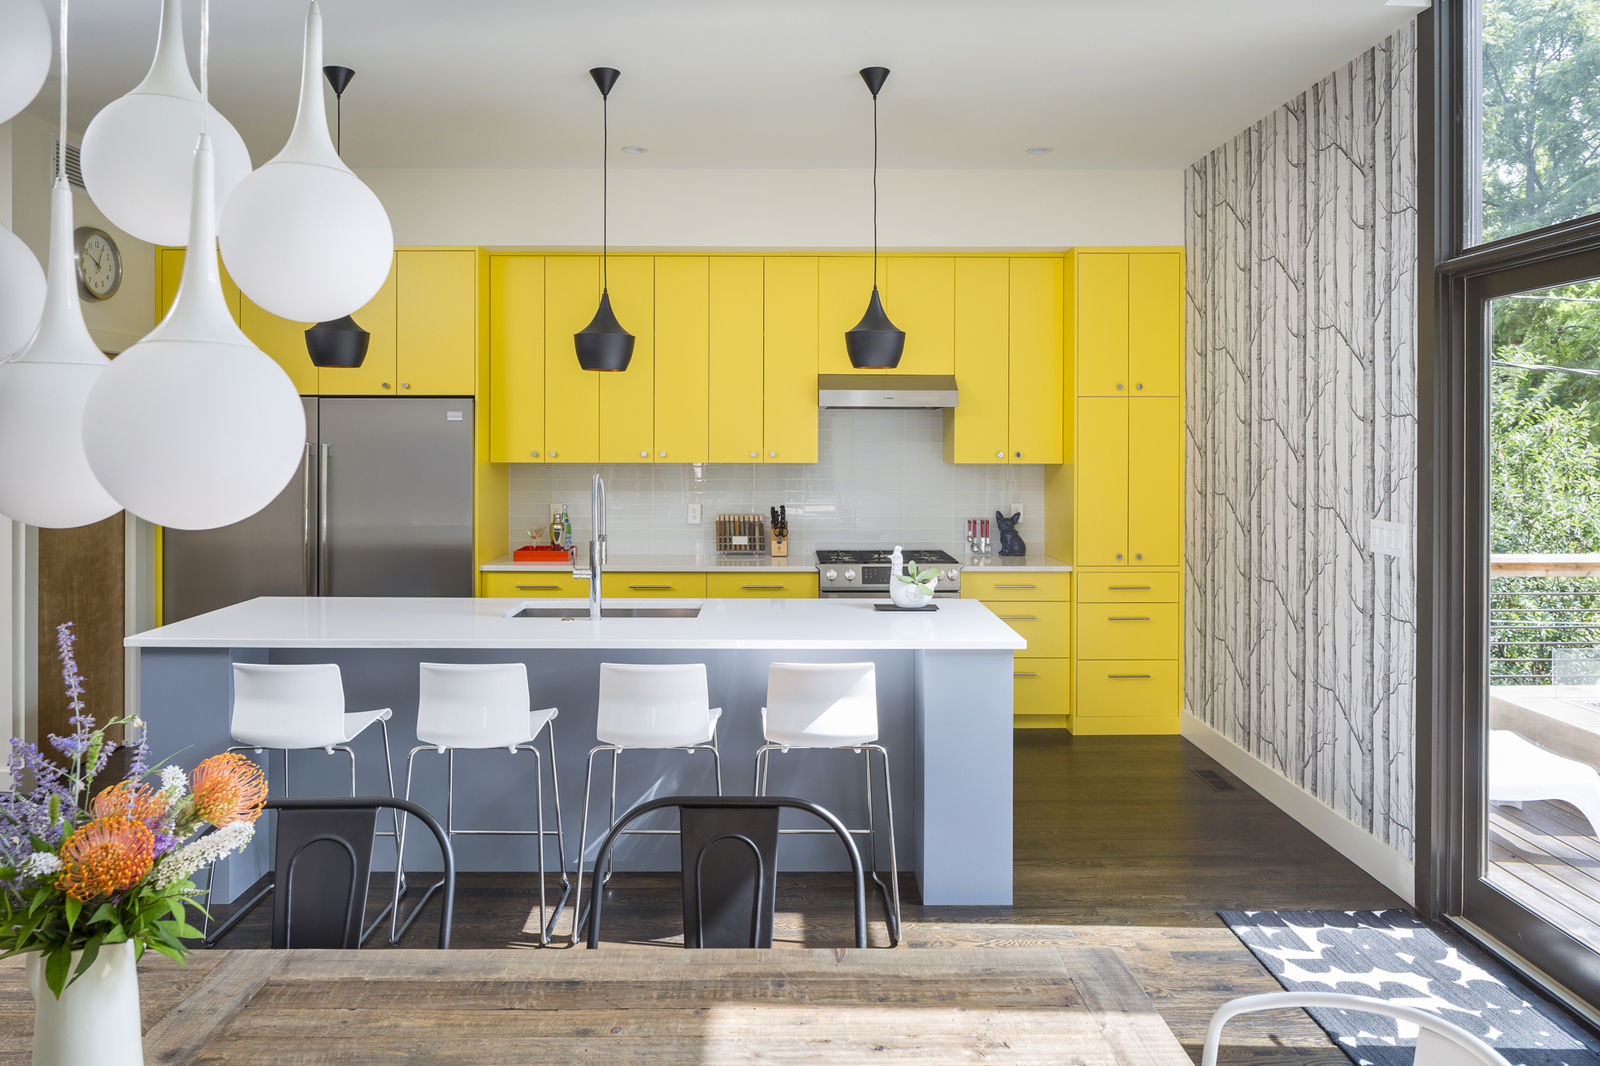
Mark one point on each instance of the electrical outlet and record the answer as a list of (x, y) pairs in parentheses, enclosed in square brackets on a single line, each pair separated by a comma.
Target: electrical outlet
[(1016, 509), (694, 514)]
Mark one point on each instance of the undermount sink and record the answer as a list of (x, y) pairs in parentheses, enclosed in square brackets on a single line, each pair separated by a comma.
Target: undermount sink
[(582, 613)]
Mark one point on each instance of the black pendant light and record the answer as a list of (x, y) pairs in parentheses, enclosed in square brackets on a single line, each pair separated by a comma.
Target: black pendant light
[(603, 344), (339, 343), (874, 343)]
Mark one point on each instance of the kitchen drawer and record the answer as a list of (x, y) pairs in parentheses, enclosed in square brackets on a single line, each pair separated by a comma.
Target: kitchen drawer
[(1047, 627), (1127, 688), (759, 586), (1129, 586), (992, 585), (1134, 631), (521, 584), (679, 586), (1042, 686)]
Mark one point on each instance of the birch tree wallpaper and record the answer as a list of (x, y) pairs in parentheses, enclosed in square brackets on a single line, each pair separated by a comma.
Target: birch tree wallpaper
[(1301, 249)]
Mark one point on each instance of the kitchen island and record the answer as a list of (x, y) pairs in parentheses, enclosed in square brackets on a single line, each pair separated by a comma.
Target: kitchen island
[(944, 698)]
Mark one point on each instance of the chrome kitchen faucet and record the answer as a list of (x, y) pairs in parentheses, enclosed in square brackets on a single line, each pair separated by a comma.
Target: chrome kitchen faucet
[(597, 549)]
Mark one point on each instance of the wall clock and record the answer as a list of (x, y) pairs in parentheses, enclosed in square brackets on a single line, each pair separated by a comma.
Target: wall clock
[(98, 262)]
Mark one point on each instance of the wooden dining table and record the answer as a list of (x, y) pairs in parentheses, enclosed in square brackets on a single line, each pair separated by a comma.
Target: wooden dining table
[(625, 1005)]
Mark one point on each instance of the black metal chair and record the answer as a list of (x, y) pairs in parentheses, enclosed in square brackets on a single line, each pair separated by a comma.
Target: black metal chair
[(323, 864), (729, 852)]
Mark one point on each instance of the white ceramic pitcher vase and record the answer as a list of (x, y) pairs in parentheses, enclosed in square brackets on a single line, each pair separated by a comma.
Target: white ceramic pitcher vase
[(96, 1020)]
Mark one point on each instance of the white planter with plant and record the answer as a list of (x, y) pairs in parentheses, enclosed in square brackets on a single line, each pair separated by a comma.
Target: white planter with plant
[(912, 586)]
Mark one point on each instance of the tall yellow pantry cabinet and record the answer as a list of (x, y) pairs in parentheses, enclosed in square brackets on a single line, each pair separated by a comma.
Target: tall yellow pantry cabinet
[(1125, 348)]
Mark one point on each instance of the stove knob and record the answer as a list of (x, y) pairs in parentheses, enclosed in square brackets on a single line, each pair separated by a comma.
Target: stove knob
[(849, 575), (951, 574), (832, 575)]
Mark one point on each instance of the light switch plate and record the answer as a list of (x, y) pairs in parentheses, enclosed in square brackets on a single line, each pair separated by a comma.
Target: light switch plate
[(1390, 538), (1016, 509), (694, 514)]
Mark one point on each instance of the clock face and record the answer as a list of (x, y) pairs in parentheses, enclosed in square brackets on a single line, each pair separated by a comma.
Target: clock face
[(99, 264)]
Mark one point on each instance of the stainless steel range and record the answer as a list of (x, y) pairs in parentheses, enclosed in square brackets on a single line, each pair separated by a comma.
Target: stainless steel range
[(865, 572)]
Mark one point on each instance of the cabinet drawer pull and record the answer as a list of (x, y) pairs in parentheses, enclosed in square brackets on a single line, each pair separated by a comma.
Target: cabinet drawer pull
[(1124, 677), (1023, 617), (1024, 675), (539, 588), (1144, 619), (1128, 588), (1016, 586), (761, 588), (650, 588)]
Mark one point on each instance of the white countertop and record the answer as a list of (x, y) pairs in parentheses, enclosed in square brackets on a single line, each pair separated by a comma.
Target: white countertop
[(372, 622), (797, 562)]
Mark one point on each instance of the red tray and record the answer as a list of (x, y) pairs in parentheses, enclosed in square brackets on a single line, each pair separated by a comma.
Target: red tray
[(541, 553)]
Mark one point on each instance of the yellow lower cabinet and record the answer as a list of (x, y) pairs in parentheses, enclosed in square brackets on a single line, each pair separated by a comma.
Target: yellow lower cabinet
[(678, 586), (1130, 631), (997, 584), (1041, 693), (1047, 627), (522, 584), (759, 586), (1116, 696), (1129, 586)]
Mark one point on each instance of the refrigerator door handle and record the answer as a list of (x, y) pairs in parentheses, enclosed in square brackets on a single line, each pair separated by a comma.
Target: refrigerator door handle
[(323, 561), (308, 563)]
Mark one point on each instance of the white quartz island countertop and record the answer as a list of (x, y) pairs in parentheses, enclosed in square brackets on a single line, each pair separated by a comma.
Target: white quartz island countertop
[(362, 622)]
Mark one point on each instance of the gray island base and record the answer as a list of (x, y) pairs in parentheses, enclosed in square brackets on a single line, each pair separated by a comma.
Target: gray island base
[(944, 704)]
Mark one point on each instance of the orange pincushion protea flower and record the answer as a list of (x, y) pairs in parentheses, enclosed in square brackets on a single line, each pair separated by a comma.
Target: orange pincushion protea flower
[(228, 788), (105, 856), (129, 800)]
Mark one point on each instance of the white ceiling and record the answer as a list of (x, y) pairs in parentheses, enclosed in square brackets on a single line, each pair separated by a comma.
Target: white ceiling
[(753, 83)]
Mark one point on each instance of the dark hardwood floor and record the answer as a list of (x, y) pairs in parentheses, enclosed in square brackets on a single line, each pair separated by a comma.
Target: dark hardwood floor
[(1118, 844)]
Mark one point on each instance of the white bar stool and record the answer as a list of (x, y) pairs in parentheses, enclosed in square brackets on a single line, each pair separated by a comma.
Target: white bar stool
[(297, 708), (831, 705), (653, 707), (482, 706)]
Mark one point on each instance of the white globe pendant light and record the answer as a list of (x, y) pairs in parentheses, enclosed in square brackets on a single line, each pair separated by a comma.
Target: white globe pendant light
[(24, 54), (138, 152), (45, 479), (22, 291), (195, 427), (302, 236)]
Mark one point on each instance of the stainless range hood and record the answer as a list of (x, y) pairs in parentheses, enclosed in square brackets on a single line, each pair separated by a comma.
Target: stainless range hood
[(868, 391)]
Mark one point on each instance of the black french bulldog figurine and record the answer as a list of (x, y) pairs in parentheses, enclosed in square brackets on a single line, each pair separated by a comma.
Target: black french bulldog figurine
[(1010, 542)]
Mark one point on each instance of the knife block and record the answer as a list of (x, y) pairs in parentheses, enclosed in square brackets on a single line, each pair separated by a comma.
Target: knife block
[(779, 547)]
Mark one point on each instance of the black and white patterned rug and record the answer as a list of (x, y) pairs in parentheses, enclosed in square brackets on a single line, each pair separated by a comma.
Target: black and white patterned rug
[(1393, 955)]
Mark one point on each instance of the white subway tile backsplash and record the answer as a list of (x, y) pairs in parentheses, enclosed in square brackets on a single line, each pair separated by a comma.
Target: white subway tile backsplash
[(881, 479)]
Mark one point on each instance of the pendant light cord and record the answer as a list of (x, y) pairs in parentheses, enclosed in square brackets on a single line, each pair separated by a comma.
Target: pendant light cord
[(605, 190), (338, 125), (61, 149), (874, 192), (205, 66)]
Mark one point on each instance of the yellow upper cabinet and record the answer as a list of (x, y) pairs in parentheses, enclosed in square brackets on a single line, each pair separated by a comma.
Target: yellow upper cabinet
[(1102, 322), (376, 374), (627, 399), (571, 394), (924, 306), (1036, 359), (790, 381), (436, 336), (978, 430), (844, 286), (736, 359), (682, 354), (516, 359), (1155, 323)]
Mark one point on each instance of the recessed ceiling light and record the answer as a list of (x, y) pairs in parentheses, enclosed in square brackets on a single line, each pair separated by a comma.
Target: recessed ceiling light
[(1038, 151), (634, 149)]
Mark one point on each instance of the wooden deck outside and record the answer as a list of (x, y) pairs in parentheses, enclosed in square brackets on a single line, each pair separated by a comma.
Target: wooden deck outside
[(1547, 858)]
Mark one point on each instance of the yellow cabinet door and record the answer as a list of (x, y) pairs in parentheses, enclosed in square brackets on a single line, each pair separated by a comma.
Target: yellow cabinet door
[(978, 430), (924, 306), (377, 370), (627, 398), (1155, 323), (571, 394), (1001, 583), (1042, 687), (525, 584), (1126, 697), (1124, 587), (1102, 319), (436, 336), (1129, 630), (1036, 356), (1102, 476), (516, 359), (169, 271), (1047, 627), (844, 286), (676, 586), (736, 356), (756, 585), (789, 407), (285, 341), (1155, 481), (682, 353)]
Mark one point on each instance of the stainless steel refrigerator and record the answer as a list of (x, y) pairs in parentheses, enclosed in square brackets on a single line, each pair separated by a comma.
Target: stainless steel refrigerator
[(382, 506)]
